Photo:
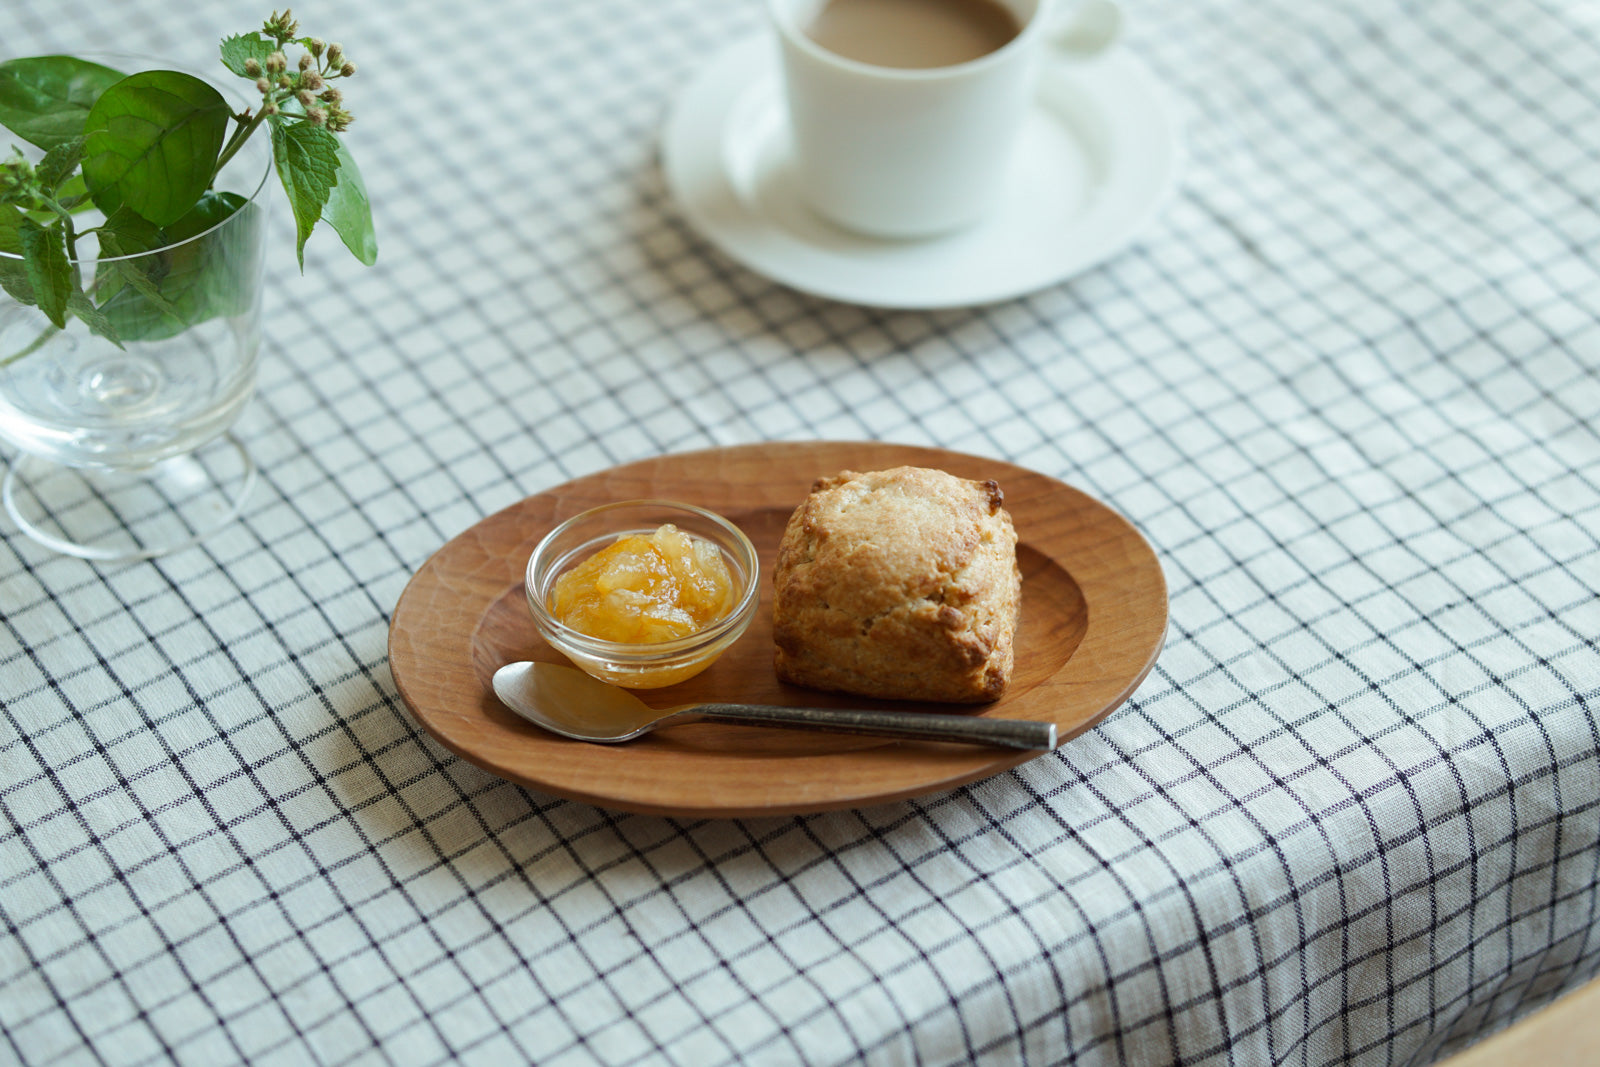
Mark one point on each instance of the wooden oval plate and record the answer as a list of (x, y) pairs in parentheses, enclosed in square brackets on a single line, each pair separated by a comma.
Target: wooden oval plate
[(1094, 615)]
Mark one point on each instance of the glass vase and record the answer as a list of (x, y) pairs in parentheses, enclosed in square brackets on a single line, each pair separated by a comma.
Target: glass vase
[(121, 419)]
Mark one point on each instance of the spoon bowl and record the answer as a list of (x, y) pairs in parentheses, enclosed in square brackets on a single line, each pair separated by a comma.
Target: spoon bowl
[(569, 702)]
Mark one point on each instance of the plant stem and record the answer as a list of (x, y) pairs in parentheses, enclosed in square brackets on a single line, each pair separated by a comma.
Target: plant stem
[(240, 136), (34, 346), (67, 229)]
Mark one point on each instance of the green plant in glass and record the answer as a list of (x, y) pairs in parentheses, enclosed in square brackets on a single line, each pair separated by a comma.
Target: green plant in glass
[(132, 237)]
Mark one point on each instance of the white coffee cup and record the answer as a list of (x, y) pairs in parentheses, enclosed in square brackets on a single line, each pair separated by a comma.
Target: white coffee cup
[(902, 153)]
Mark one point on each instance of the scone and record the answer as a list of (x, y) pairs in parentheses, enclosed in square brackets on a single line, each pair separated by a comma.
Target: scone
[(900, 583)]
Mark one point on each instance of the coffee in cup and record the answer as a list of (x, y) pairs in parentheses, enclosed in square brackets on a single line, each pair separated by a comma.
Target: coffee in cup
[(913, 34)]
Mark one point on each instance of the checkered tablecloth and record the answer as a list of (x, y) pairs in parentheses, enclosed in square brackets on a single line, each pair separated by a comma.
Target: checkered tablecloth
[(1346, 385)]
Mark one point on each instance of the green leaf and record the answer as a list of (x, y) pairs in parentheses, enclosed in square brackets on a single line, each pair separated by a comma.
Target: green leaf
[(11, 229), (127, 233), (13, 272), (349, 211), (237, 49), (307, 159), (74, 194), (44, 253), (152, 144), (193, 271), (46, 99), (80, 305), (14, 280), (213, 208), (124, 239), (59, 163)]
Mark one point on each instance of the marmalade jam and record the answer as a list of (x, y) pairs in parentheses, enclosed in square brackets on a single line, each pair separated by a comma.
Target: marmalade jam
[(643, 590)]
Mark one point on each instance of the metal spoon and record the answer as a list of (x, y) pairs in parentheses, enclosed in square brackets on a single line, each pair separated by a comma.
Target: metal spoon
[(571, 703)]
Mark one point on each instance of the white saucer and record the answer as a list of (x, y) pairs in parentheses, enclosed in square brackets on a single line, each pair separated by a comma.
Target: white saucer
[(1099, 154)]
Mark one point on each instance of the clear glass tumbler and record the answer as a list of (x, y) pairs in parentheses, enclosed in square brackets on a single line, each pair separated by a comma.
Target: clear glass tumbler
[(125, 445)]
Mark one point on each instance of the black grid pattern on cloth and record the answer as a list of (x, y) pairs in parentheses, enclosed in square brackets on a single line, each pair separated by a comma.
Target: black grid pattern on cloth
[(1347, 385)]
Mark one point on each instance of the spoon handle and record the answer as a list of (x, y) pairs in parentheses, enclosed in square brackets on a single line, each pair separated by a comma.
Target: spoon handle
[(906, 725)]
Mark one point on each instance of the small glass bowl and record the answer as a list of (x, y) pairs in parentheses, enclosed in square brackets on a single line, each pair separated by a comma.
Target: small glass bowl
[(641, 666)]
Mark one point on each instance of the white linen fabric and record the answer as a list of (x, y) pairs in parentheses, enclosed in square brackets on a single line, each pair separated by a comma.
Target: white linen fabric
[(1346, 385)]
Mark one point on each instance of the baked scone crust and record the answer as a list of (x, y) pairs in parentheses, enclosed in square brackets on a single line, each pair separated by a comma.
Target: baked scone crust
[(900, 583)]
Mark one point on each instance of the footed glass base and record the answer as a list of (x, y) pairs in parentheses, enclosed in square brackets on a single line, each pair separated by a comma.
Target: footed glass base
[(111, 514)]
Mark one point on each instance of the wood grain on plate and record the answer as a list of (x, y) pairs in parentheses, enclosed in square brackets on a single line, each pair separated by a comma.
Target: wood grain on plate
[(1094, 615)]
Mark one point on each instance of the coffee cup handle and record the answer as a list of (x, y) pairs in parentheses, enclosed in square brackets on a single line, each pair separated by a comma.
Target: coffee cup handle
[(1093, 28)]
